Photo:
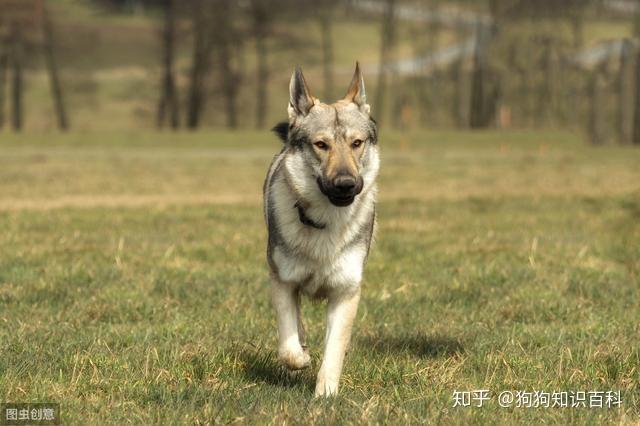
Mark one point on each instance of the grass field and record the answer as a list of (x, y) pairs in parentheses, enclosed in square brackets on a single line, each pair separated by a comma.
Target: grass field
[(133, 281)]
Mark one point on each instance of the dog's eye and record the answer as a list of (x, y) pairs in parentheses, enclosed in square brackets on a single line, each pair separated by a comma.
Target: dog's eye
[(356, 143), (321, 145)]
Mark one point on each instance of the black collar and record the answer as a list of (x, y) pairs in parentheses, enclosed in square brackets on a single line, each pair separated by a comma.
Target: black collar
[(305, 219)]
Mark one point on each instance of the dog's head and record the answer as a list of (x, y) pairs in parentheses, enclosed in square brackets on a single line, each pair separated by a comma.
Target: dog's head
[(334, 139)]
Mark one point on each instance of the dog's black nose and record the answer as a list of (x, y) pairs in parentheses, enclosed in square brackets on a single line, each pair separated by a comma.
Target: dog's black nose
[(344, 183)]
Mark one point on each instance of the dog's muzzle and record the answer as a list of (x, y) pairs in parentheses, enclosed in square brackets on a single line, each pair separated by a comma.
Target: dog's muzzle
[(342, 190)]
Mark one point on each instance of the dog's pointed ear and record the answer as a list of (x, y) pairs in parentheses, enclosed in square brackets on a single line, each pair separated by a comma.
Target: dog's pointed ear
[(300, 99), (356, 92)]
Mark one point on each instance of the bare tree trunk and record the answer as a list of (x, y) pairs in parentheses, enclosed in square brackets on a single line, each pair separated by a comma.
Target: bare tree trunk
[(594, 126), (636, 109), (260, 31), (262, 81), (4, 65), (457, 74), (476, 109), (577, 29), (17, 119), (228, 47), (636, 21), (169, 97), (521, 94), (200, 64), (635, 136), (625, 92), (52, 68), (327, 52), (422, 43), (493, 99), (546, 99), (422, 87), (230, 83), (386, 46), (435, 85)]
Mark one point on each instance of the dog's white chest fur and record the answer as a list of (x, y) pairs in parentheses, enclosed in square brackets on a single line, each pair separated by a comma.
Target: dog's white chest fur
[(324, 259)]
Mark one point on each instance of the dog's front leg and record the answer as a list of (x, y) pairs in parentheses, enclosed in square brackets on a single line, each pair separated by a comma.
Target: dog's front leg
[(286, 302), (341, 311)]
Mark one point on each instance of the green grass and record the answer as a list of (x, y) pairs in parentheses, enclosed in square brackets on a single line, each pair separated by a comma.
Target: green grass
[(133, 281)]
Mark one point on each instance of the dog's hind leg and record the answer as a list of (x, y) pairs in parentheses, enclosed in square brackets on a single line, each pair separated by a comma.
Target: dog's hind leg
[(341, 311), (286, 300)]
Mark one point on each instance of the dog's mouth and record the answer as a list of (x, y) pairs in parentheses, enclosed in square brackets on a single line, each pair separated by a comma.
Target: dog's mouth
[(338, 198), (341, 201)]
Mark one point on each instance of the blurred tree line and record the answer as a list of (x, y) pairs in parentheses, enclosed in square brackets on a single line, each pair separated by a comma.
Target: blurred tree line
[(25, 28), (473, 64), (220, 31), (523, 70)]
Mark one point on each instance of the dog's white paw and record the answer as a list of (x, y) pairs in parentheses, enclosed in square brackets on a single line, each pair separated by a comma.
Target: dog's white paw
[(325, 387), (296, 359)]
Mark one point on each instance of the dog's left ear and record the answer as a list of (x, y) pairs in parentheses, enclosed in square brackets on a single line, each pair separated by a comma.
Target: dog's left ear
[(356, 92)]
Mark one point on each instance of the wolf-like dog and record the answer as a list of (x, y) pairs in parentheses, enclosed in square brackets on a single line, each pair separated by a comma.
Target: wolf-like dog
[(319, 206)]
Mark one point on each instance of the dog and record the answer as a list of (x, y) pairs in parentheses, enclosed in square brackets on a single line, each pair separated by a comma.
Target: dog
[(320, 210)]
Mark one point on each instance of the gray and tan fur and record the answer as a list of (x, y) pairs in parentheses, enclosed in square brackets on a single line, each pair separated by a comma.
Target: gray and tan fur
[(319, 203)]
